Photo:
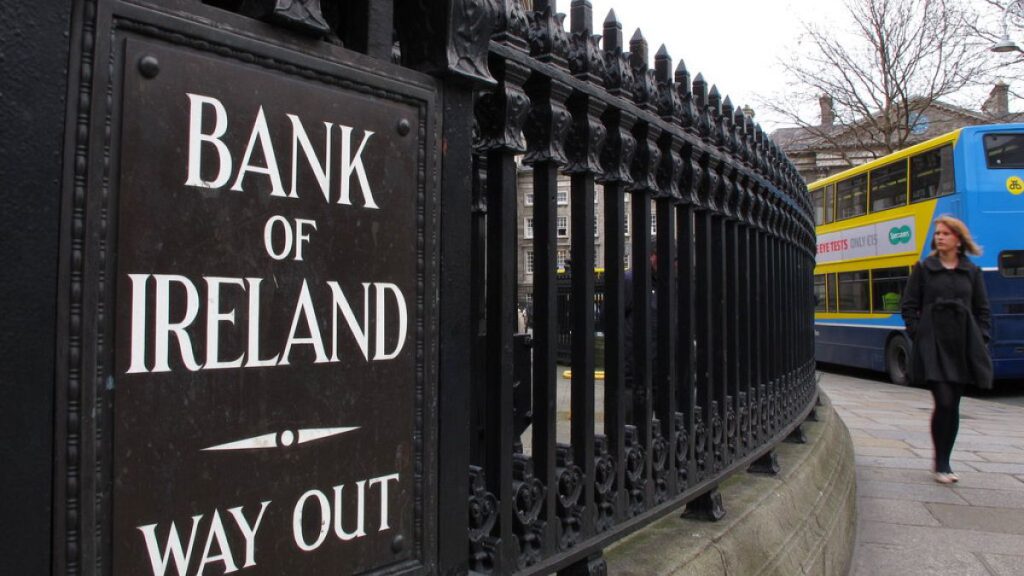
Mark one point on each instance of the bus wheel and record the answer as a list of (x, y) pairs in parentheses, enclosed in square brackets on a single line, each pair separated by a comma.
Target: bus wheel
[(897, 360)]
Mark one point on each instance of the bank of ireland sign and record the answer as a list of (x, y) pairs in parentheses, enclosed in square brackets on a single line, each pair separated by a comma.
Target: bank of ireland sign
[(895, 236), (269, 355)]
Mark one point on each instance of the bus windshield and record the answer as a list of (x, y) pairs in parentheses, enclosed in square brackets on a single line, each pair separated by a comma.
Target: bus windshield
[(1004, 150)]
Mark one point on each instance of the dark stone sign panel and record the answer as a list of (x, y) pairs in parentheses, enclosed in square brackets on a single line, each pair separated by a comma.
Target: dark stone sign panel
[(269, 381)]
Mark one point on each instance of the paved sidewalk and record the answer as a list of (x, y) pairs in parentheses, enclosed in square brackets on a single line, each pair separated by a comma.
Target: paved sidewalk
[(909, 524)]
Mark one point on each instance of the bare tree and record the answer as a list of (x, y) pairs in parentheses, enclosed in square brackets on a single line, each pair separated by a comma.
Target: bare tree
[(994, 20), (895, 60)]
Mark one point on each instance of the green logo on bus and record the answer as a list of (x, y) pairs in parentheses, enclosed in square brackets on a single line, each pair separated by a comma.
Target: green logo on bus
[(900, 235)]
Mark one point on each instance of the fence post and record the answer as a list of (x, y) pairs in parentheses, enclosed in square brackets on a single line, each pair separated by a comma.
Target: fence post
[(437, 40)]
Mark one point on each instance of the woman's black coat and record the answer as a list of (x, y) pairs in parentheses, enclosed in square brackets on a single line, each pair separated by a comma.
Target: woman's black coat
[(948, 318)]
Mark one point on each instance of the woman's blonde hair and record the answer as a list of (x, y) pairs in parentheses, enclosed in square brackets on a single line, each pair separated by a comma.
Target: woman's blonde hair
[(967, 244)]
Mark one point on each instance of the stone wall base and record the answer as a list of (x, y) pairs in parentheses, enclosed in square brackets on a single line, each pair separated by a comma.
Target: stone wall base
[(801, 522)]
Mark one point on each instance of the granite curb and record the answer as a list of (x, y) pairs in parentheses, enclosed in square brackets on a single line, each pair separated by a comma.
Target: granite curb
[(802, 521)]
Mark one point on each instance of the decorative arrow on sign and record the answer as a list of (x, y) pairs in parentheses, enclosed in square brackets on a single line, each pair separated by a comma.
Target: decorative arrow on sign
[(282, 439)]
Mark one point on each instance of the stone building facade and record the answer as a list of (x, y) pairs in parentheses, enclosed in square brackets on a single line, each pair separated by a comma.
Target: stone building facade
[(828, 148)]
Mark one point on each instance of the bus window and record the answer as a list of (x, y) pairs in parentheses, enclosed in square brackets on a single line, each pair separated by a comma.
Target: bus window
[(887, 285), (889, 186), (931, 174), (1004, 150), (818, 198), (830, 203), (820, 300), (853, 292), (1011, 263), (832, 287), (851, 197)]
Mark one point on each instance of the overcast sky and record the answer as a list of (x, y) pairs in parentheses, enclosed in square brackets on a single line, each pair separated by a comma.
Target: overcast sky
[(735, 44)]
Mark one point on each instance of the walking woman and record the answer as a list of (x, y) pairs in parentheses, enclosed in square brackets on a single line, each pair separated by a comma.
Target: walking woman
[(946, 310)]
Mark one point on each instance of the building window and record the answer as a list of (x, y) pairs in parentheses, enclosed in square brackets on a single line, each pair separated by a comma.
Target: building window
[(931, 174), (889, 186), (529, 262), (528, 199), (625, 223), (560, 259), (563, 227), (528, 227), (853, 292), (887, 285), (597, 232), (654, 220), (563, 197), (851, 197)]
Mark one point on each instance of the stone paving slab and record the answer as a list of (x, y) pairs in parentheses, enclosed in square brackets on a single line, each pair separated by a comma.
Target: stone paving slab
[(992, 498), (889, 560), (1000, 565), (896, 511), (908, 523), (977, 518), (997, 467), (864, 440), (1002, 457), (925, 540), (972, 480), (910, 492)]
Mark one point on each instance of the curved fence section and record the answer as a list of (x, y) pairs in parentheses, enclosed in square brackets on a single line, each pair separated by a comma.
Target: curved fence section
[(722, 293)]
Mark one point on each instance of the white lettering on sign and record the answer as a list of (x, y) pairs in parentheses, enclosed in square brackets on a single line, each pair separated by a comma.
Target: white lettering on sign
[(323, 509), (161, 555), (896, 236), (260, 136), (171, 323)]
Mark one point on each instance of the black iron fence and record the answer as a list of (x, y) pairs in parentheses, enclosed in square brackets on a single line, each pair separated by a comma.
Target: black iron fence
[(708, 360), (727, 371)]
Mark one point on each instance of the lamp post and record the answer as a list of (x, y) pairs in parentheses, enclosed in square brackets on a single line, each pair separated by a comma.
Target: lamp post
[(1004, 44)]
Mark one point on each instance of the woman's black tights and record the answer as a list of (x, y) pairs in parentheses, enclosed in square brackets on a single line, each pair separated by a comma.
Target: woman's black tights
[(945, 421)]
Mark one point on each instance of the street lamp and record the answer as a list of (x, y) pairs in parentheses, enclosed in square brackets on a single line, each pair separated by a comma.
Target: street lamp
[(1004, 44)]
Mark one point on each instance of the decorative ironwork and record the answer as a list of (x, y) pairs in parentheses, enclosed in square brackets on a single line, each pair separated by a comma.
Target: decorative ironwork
[(547, 123), (527, 500), (744, 421), (717, 437), (483, 513), (731, 425), (586, 137), (659, 462), (501, 113), (548, 40), (700, 447), (513, 28), (301, 15), (708, 506), (682, 453), (636, 483), (767, 464), (570, 485), (618, 78), (619, 148), (465, 30), (644, 84), (604, 485)]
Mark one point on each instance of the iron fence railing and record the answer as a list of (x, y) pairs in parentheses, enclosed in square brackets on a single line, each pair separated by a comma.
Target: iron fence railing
[(726, 371)]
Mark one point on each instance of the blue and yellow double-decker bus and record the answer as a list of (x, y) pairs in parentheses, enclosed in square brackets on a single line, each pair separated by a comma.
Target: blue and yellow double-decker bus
[(875, 221)]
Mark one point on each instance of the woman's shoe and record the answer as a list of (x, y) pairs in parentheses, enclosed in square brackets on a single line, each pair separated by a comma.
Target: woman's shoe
[(953, 476), (945, 477)]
